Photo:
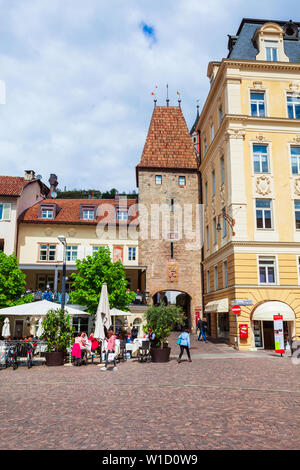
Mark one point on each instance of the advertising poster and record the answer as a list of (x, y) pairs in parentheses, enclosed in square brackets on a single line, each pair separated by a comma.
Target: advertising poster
[(278, 333)]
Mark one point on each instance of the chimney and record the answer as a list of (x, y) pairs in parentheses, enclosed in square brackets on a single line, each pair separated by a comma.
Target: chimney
[(29, 175)]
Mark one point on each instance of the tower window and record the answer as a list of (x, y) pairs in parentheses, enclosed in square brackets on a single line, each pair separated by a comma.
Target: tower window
[(181, 180), (158, 179)]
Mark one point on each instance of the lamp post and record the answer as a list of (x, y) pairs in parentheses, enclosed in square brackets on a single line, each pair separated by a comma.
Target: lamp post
[(63, 241), (228, 219)]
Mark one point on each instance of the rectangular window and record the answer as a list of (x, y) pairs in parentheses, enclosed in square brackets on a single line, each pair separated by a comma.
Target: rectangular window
[(96, 248), (122, 215), (297, 214), (212, 132), (5, 210), (267, 270), (271, 51), (88, 214), (215, 230), (220, 114), (207, 238), (158, 179), (47, 252), (72, 252), (257, 103), (213, 183), (206, 193), (293, 105), (222, 171), (225, 272), (208, 281), (295, 160), (47, 213), (216, 278), (132, 253), (263, 213), (181, 180), (260, 158), (204, 146)]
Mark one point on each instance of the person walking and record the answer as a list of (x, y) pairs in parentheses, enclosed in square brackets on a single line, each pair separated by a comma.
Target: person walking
[(202, 326), (185, 344), (111, 346)]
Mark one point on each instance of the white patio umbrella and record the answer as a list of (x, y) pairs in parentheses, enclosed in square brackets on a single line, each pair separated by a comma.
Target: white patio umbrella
[(103, 317), (40, 329), (6, 328)]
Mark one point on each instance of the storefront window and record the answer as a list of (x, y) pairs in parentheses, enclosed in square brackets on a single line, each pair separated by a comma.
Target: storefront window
[(258, 334), (223, 325)]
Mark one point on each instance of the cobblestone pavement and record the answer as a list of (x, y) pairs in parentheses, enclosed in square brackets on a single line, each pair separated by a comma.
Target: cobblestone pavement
[(215, 402)]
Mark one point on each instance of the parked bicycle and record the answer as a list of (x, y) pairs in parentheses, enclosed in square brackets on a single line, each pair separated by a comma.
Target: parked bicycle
[(11, 357)]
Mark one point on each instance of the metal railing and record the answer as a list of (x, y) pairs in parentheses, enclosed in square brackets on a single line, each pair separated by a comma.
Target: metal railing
[(19, 348)]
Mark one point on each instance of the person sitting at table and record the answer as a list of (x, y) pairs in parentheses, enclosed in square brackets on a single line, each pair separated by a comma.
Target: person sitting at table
[(134, 333), (128, 338), (94, 343)]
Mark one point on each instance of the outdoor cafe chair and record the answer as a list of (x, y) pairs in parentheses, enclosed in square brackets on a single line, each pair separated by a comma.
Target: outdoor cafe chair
[(144, 351)]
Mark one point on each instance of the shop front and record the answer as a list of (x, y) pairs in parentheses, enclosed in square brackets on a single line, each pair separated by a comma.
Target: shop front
[(263, 324), (217, 315)]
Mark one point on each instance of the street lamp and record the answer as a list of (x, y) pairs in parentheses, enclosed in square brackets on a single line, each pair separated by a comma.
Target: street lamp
[(63, 241), (229, 219)]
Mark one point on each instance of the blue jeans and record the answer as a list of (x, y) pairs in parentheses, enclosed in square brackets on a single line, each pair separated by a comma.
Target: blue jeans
[(203, 333)]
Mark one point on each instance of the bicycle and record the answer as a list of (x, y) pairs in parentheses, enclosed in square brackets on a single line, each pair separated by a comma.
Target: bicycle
[(11, 357)]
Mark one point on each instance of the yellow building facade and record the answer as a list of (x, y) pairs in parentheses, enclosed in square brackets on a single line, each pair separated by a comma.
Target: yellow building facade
[(250, 166)]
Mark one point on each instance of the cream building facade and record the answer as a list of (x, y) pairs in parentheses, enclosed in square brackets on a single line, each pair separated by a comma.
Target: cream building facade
[(86, 225), (250, 169)]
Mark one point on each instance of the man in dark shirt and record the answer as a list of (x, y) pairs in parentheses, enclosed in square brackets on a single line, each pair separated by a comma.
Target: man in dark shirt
[(202, 326)]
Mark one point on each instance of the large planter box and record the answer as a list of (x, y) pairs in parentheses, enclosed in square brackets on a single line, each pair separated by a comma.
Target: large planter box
[(160, 355), (55, 358)]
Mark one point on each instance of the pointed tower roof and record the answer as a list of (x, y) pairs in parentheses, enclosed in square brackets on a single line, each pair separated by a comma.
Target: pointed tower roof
[(196, 121), (168, 143)]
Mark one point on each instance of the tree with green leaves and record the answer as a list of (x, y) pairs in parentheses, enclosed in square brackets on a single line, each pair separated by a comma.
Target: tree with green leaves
[(162, 319), (91, 273), (12, 282)]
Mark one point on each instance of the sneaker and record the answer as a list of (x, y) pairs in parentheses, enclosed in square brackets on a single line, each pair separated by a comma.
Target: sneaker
[(115, 368), (103, 368)]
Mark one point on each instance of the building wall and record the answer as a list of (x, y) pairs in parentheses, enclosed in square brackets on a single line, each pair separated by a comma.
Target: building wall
[(156, 253)]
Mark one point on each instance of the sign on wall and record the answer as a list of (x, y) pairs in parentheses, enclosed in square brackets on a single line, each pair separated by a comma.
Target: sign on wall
[(117, 254), (172, 272)]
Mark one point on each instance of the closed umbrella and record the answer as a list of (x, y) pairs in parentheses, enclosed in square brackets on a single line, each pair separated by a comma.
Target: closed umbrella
[(40, 329), (103, 317), (6, 328)]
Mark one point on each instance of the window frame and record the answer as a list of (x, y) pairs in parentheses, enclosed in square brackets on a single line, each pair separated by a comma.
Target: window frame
[(271, 264), (129, 255), (184, 179), (260, 154), (225, 274), (263, 215), (160, 179), (257, 102), (69, 250), (47, 250), (292, 95)]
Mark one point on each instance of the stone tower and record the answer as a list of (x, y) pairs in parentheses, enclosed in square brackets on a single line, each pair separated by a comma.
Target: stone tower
[(168, 182)]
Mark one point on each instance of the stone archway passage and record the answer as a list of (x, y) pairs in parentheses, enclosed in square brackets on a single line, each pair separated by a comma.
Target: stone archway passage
[(179, 298)]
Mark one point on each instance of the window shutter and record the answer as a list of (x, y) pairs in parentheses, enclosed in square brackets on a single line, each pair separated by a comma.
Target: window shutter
[(89, 250), (60, 252), (6, 211), (80, 252)]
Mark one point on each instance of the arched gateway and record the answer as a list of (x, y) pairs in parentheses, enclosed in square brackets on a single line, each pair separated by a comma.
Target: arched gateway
[(181, 299), (168, 182)]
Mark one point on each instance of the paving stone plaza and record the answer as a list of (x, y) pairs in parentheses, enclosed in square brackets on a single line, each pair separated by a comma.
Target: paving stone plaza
[(222, 400)]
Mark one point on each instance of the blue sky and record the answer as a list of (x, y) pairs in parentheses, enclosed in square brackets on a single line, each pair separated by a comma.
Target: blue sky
[(79, 77)]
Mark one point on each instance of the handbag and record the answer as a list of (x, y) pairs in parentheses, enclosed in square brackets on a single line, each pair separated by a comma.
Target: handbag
[(179, 340), (111, 357)]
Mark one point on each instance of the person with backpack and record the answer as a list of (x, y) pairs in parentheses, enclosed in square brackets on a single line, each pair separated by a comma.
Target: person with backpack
[(185, 344)]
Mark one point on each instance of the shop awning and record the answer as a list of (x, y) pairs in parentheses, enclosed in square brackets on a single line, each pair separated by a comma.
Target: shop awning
[(219, 306), (266, 311)]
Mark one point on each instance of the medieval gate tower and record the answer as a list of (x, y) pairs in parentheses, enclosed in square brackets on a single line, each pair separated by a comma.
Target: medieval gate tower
[(168, 182)]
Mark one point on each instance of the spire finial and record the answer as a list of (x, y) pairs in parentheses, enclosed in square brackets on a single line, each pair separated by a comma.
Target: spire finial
[(179, 100), (168, 95), (154, 95)]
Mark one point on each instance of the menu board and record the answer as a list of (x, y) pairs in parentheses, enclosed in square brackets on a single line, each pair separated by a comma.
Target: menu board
[(278, 333)]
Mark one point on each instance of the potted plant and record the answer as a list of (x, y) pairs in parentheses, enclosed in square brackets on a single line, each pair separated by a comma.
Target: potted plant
[(57, 333), (162, 319)]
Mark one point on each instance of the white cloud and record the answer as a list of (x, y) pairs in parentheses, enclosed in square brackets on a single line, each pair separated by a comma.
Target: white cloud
[(79, 77)]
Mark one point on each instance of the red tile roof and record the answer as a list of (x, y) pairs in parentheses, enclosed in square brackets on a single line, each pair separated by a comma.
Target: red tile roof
[(68, 211), (12, 185), (168, 143)]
